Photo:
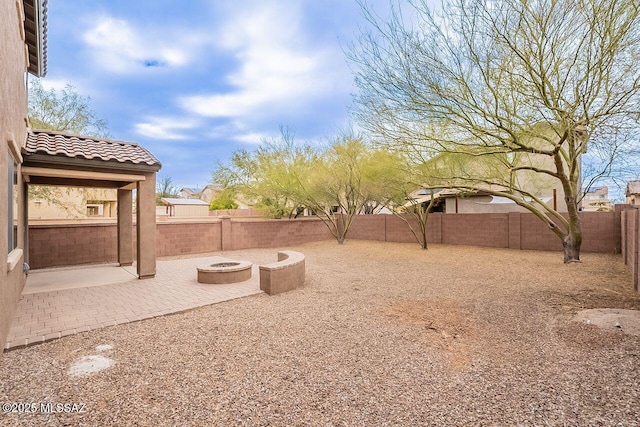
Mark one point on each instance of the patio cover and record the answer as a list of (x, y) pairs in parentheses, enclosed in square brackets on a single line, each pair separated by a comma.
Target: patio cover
[(58, 158)]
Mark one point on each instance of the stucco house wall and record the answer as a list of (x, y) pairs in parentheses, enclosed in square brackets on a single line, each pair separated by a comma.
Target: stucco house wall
[(484, 204), (74, 203), (13, 113)]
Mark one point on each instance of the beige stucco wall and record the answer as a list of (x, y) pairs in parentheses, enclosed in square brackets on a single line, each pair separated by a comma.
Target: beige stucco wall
[(13, 110), (71, 203), (183, 211)]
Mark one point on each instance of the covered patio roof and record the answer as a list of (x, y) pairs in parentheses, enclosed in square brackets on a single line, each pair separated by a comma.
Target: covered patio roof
[(59, 158)]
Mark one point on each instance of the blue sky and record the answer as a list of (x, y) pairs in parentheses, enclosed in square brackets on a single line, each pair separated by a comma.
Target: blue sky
[(195, 80)]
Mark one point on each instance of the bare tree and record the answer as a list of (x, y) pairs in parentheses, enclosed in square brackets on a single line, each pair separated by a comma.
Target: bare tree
[(508, 93), (165, 188), (64, 110)]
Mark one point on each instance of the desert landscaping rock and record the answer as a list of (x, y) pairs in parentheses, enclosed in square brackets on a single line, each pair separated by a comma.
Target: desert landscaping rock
[(627, 321), (380, 334), (103, 347)]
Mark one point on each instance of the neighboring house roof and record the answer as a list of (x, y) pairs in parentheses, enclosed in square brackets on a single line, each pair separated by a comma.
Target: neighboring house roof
[(633, 187), (35, 29), (422, 196), (175, 201), (499, 200), (60, 144), (189, 190)]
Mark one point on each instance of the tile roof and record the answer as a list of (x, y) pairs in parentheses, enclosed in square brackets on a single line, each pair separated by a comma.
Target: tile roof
[(87, 147)]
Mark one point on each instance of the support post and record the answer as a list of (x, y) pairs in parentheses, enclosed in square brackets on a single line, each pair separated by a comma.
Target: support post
[(146, 226)]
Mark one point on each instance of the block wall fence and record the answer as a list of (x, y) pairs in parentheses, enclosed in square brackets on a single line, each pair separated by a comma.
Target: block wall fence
[(630, 236), (62, 245)]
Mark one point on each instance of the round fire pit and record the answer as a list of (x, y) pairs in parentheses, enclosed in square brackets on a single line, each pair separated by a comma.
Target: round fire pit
[(224, 264), (223, 272)]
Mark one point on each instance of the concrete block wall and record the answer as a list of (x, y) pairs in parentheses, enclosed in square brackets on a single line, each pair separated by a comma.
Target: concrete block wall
[(398, 231), (630, 236), (55, 246), (513, 230), (535, 234), (476, 230), (369, 227), (59, 245), (601, 232), (273, 233), (188, 238), (238, 213), (390, 228)]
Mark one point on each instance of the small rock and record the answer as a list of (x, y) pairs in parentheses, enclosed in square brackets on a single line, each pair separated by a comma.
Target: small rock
[(103, 347)]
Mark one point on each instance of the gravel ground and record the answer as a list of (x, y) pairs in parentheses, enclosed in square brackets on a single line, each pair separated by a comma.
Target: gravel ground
[(381, 334)]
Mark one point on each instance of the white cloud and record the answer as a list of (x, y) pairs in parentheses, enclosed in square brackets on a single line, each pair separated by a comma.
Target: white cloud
[(251, 138), (165, 128), (121, 48), (278, 69), (55, 84)]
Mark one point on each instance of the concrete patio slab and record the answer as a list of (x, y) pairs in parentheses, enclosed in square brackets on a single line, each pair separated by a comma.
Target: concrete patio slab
[(56, 279), (66, 307)]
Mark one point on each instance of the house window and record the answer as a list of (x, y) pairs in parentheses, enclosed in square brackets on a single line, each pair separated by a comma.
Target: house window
[(12, 181), (93, 210)]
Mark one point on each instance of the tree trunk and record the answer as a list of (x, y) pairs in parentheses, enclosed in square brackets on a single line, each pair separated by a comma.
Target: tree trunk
[(572, 242), (424, 239)]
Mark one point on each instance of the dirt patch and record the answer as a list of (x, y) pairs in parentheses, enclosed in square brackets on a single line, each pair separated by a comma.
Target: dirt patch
[(589, 298), (448, 326)]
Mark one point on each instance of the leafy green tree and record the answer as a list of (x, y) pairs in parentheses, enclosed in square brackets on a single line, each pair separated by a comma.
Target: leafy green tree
[(511, 91), (336, 189), (224, 200), (334, 182), (398, 192), (268, 175)]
